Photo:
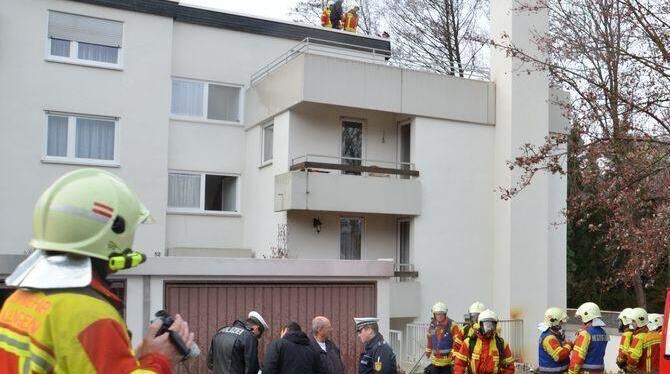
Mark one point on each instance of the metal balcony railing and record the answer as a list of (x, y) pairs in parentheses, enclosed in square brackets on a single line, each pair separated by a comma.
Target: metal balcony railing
[(354, 166), (405, 272)]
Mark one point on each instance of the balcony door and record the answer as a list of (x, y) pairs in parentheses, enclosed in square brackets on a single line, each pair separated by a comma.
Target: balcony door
[(352, 144), (402, 257), (404, 143), (351, 238)]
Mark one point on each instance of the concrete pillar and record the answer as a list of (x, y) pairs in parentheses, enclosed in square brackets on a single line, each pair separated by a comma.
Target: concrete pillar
[(520, 283)]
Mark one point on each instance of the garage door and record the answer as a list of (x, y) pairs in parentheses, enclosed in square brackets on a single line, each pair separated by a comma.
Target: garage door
[(207, 307)]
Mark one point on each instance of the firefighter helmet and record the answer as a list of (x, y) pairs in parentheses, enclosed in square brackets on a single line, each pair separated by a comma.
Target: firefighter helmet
[(624, 316), (639, 316), (439, 307), (588, 312), (655, 321), (476, 308), (555, 316), (487, 316)]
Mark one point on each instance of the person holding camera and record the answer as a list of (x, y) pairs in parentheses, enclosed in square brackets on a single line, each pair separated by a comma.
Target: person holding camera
[(62, 318)]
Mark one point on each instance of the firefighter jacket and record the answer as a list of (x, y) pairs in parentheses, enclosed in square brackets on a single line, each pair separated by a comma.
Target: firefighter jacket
[(624, 343), (234, 350), (482, 355), (325, 17), (350, 22), (69, 331), (469, 330), (444, 339), (554, 352), (588, 354), (644, 350), (378, 358)]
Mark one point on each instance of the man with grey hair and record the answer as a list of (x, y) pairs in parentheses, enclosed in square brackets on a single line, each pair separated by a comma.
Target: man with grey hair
[(331, 360)]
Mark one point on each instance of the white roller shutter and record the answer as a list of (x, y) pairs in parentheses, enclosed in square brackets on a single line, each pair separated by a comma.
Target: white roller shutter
[(85, 29)]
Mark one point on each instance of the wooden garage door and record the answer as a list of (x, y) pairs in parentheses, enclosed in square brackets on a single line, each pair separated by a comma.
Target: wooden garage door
[(207, 307)]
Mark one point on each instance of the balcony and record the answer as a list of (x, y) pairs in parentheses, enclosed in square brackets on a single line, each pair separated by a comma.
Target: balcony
[(338, 184), (405, 292)]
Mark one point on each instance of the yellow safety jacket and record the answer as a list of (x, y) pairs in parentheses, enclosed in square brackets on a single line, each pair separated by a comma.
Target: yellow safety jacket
[(69, 331)]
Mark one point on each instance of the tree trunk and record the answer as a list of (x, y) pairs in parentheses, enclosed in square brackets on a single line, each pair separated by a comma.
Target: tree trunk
[(640, 294)]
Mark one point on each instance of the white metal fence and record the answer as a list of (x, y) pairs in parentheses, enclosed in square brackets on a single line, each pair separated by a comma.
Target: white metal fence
[(395, 341)]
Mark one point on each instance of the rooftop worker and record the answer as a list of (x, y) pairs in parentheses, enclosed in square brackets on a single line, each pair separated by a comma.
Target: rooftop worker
[(644, 350), (336, 14), (554, 351), (444, 338), (291, 353), (626, 334), (485, 352), (63, 318), (378, 356), (322, 332), (473, 313), (588, 353), (234, 349), (351, 19), (325, 15)]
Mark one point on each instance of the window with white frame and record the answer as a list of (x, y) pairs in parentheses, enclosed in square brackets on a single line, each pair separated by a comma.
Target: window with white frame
[(79, 138), (77, 38), (268, 138), (351, 238), (201, 192), (206, 101)]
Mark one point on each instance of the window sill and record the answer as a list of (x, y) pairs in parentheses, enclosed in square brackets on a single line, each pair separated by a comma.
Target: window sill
[(69, 161), (265, 164), (87, 63), (202, 213), (205, 121)]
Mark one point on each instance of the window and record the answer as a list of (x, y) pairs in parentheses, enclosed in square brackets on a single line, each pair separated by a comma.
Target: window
[(82, 39), (268, 136), (352, 144), (202, 100), (402, 259), (351, 235), (194, 192), (81, 139)]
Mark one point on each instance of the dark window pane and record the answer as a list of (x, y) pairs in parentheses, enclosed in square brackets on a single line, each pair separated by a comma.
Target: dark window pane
[(350, 238), (352, 144), (221, 193)]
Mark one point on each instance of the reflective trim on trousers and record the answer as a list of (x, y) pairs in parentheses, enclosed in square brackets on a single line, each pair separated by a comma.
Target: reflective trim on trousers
[(593, 367), (553, 370)]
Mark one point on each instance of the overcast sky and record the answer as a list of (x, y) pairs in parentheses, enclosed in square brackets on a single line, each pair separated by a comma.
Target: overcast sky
[(265, 8)]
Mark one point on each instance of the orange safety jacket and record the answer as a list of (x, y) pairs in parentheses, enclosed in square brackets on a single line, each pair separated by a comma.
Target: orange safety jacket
[(484, 358), (325, 18), (350, 22), (437, 336), (644, 350), (624, 343), (69, 331)]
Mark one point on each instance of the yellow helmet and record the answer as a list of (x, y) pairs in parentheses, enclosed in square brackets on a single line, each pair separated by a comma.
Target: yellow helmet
[(624, 316), (439, 307), (476, 307), (88, 212), (588, 312), (655, 321), (554, 316), (639, 316)]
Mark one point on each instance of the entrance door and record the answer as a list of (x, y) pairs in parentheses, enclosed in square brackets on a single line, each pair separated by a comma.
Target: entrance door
[(352, 144)]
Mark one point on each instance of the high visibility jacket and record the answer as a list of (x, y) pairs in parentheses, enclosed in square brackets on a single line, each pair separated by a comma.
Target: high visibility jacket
[(624, 343), (69, 331), (644, 350), (469, 330), (443, 340), (350, 22), (484, 358), (588, 354), (554, 352), (325, 17)]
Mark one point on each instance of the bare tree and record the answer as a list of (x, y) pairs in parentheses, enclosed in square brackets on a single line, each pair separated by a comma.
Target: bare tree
[(370, 13), (439, 35)]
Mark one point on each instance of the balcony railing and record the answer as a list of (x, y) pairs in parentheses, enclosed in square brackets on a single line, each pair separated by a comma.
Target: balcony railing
[(405, 272), (354, 166)]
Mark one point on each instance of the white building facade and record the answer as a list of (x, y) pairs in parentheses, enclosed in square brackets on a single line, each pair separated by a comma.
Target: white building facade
[(297, 179)]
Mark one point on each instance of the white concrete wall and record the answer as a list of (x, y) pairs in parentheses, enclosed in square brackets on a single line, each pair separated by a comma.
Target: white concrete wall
[(139, 95), (452, 239)]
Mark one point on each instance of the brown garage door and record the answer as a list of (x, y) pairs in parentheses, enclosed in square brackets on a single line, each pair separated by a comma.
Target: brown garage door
[(209, 306)]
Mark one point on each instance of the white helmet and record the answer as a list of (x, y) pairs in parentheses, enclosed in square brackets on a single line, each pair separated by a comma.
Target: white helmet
[(554, 316), (439, 307), (487, 315), (624, 316), (588, 312), (655, 321), (640, 317), (256, 317), (476, 308)]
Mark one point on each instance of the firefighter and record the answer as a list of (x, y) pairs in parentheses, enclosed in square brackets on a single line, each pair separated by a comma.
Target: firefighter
[(626, 333), (643, 353), (473, 313), (485, 352), (444, 338), (588, 353), (378, 356), (325, 15), (63, 318), (554, 350), (351, 19)]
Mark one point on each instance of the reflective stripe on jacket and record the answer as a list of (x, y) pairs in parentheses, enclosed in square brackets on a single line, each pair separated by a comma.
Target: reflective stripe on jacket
[(69, 331), (484, 358), (588, 354), (644, 350), (444, 339), (554, 353)]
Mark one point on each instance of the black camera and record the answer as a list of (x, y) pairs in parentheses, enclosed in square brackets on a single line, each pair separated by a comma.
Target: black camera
[(175, 339)]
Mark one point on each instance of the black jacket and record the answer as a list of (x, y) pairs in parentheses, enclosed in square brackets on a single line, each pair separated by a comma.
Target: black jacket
[(291, 354), (331, 360), (377, 358), (336, 12), (234, 350)]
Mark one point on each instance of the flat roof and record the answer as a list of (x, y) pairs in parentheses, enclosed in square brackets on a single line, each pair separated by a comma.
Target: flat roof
[(242, 23)]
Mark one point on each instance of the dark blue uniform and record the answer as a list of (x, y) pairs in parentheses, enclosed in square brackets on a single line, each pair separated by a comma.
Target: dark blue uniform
[(377, 358)]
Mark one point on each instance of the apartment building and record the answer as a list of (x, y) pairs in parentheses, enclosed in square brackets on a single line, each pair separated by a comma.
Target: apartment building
[(289, 168)]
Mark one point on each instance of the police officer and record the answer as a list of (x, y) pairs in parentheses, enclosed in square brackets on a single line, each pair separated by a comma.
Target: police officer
[(234, 349), (378, 356)]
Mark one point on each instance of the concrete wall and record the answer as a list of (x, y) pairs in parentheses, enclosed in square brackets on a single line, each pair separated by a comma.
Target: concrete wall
[(139, 95)]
